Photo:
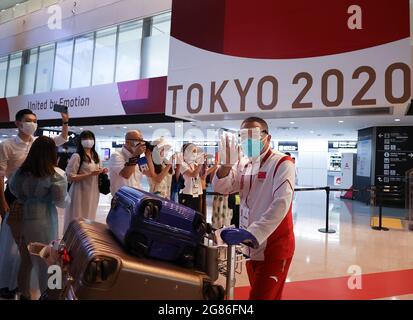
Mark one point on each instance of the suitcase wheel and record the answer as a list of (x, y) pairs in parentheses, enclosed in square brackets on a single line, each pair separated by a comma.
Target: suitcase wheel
[(100, 270), (151, 211), (213, 292)]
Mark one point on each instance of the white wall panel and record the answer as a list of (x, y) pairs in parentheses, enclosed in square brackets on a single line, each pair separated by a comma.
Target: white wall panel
[(320, 159), (305, 176), (312, 162), (319, 177), (305, 159)]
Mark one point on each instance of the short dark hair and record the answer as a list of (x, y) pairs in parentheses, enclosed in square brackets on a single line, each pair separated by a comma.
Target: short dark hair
[(21, 113), (288, 154), (261, 121)]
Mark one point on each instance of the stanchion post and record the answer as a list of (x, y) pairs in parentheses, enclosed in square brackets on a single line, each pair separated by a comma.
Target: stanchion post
[(327, 229), (380, 227)]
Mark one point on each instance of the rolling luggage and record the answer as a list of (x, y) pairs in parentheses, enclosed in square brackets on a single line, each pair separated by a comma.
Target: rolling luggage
[(149, 225), (100, 269)]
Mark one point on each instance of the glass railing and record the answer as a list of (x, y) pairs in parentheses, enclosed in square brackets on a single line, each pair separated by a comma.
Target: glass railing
[(113, 54)]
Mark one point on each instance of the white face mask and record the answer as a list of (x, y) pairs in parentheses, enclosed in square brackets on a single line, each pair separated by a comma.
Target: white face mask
[(29, 128), (156, 156), (88, 144), (193, 156), (190, 155)]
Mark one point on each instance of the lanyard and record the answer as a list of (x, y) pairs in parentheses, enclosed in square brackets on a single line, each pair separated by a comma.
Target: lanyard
[(267, 155)]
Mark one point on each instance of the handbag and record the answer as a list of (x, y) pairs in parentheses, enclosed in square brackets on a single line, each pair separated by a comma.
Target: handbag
[(104, 183)]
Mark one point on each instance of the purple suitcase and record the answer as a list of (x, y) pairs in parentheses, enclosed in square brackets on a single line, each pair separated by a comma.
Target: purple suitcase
[(147, 224), (100, 269)]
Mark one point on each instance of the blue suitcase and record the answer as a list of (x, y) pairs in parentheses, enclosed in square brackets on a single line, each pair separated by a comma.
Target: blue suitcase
[(149, 225)]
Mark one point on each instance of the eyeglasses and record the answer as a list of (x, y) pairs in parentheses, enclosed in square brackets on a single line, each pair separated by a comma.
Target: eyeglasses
[(135, 140)]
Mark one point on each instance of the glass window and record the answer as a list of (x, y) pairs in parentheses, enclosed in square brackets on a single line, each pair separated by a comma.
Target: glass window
[(29, 71), (45, 68), (3, 74), (104, 59), (13, 76), (82, 61), (161, 24), (63, 65), (129, 51), (156, 48)]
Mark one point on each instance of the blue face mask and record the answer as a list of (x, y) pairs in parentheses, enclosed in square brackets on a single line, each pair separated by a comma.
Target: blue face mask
[(252, 147)]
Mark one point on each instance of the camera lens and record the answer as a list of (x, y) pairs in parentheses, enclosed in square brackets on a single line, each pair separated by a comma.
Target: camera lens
[(149, 146)]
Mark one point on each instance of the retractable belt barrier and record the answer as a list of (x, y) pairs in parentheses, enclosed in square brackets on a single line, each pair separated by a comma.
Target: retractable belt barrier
[(328, 189)]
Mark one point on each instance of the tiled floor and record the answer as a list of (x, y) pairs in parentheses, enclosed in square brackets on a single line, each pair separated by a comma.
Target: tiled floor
[(323, 257)]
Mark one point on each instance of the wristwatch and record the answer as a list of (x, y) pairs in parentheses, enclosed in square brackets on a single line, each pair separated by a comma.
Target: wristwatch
[(131, 162)]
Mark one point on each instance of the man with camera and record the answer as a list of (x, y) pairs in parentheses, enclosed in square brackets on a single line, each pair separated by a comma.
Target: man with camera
[(126, 166)]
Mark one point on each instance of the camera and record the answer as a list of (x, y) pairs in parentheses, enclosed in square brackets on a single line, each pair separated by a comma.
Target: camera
[(149, 146)]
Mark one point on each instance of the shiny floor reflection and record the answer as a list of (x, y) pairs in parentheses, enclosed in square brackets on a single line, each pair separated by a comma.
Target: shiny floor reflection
[(323, 256)]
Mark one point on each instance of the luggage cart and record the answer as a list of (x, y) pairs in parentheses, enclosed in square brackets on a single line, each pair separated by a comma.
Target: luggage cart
[(225, 260), (229, 260), (231, 264)]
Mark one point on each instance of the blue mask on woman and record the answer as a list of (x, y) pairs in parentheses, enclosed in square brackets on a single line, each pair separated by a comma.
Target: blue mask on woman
[(252, 147)]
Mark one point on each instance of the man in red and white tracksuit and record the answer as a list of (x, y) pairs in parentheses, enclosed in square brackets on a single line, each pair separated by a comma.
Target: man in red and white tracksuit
[(265, 181)]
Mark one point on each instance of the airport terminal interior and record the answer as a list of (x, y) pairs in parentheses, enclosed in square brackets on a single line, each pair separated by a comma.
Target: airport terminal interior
[(157, 66)]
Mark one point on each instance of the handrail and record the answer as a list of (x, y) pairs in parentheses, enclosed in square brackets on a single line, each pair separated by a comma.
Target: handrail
[(375, 189)]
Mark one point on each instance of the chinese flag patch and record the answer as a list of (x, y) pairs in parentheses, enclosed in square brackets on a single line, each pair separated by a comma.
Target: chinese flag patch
[(262, 175)]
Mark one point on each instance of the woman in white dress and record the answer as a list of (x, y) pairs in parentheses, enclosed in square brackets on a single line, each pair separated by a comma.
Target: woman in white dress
[(82, 172)]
